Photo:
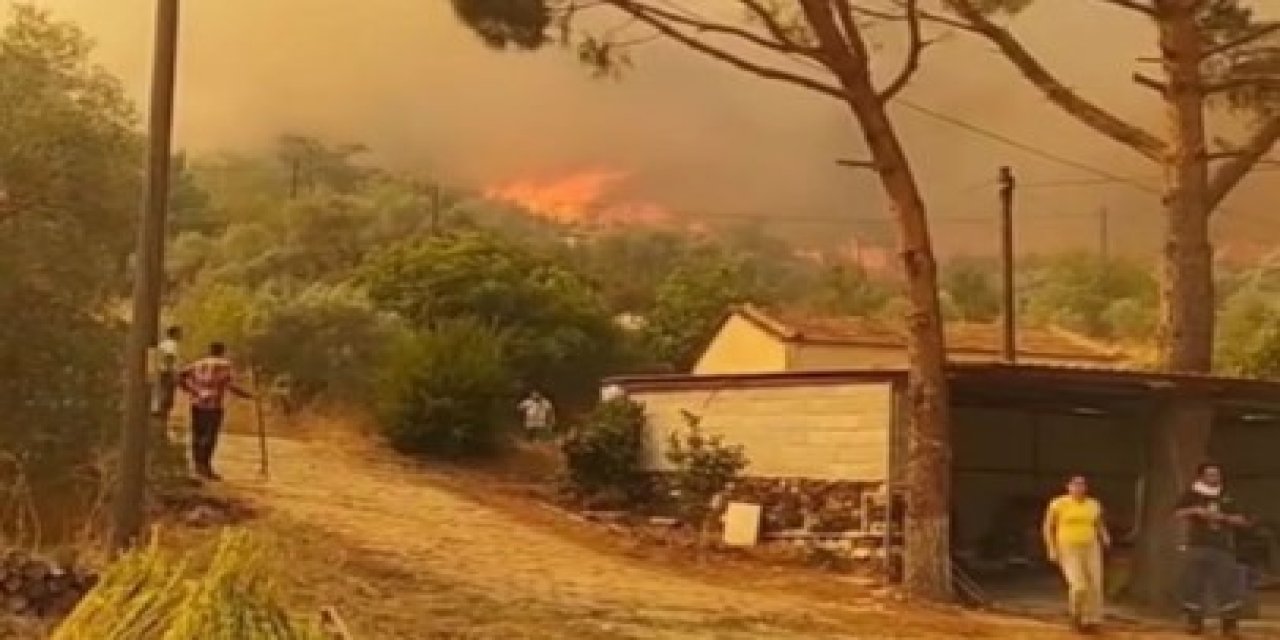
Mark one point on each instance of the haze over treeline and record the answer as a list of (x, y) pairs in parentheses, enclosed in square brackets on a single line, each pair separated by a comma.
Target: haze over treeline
[(404, 78)]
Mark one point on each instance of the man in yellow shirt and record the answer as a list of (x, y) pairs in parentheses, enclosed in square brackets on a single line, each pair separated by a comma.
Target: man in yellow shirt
[(1074, 536)]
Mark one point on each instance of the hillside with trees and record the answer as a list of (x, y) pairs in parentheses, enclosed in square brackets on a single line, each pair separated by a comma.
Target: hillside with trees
[(345, 286)]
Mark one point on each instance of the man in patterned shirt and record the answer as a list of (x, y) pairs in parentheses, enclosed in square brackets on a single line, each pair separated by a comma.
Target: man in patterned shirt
[(208, 381)]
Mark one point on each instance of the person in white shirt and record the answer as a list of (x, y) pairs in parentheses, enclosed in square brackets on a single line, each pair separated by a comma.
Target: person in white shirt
[(612, 393), (539, 414), (167, 381)]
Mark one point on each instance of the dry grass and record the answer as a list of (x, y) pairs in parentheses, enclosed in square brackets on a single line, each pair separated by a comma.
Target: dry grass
[(411, 551)]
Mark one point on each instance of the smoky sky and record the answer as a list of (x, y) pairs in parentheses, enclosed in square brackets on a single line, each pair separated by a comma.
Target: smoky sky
[(404, 78)]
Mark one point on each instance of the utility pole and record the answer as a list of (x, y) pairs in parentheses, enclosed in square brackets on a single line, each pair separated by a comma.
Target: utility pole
[(144, 326), (1104, 235), (435, 209), (295, 174), (1009, 346)]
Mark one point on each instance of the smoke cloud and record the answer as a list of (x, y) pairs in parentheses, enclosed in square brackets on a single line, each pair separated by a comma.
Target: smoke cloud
[(404, 78)]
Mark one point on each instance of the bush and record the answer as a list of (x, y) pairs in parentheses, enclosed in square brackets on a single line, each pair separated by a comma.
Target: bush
[(561, 338), (448, 392), (703, 467), (60, 399), (214, 311), (70, 170), (605, 455), (328, 342)]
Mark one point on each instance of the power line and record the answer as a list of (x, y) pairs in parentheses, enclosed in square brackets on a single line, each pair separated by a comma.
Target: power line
[(1102, 176), (1022, 146), (1047, 216), (1067, 182)]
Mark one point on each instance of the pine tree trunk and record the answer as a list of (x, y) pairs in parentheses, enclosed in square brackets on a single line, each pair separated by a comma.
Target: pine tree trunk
[(927, 565), (1180, 438), (927, 568), (1179, 433), (1187, 312)]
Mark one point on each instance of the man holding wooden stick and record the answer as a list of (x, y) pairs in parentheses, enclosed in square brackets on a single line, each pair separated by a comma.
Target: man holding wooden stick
[(208, 381)]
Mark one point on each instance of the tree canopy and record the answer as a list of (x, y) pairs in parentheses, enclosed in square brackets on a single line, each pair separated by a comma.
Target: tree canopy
[(69, 174)]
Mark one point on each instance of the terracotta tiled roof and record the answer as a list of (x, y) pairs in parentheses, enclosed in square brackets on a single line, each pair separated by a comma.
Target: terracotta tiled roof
[(802, 327)]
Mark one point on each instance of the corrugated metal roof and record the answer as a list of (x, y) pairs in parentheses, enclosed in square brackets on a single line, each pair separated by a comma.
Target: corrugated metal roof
[(1097, 377), (805, 327)]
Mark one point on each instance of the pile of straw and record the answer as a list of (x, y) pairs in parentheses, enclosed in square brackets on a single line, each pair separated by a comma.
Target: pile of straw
[(153, 595)]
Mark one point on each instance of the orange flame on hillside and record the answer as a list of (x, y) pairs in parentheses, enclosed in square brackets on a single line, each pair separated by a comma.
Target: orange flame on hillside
[(579, 198)]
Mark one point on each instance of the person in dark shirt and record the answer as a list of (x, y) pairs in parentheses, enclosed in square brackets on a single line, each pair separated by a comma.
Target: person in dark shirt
[(1212, 518)]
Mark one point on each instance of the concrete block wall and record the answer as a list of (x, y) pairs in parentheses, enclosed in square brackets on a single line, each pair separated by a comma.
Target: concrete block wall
[(814, 431)]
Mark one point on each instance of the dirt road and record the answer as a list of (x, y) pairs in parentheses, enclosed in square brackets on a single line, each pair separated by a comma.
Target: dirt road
[(405, 558)]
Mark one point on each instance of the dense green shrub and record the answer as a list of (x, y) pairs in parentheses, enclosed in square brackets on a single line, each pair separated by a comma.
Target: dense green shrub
[(69, 181), (605, 455), (60, 405), (214, 311), (328, 342), (448, 392), (561, 339), (703, 466)]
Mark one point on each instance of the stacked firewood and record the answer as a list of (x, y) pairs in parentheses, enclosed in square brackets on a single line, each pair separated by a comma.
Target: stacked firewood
[(31, 586)]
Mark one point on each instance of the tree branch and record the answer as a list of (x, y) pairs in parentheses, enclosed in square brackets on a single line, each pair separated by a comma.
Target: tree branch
[(642, 13), (1151, 83), (770, 22), (916, 45), (851, 35), (1231, 84), (1224, 155), (858, 164), (1229, 175), (784, 45), (1257, 34), (1132, 5), (1058, 93), (926, 16)]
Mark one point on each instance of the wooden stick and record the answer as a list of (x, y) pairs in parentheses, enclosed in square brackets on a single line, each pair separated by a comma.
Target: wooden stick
[(264, 467), (334, 625)]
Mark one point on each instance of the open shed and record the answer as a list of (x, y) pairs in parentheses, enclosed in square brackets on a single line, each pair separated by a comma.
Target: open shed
[(1018, 431)]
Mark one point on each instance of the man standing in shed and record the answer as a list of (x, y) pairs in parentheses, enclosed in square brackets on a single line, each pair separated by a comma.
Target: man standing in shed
[(1212, 520)]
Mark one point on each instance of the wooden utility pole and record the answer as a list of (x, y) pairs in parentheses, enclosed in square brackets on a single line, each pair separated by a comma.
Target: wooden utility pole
[(1104, 235), (1009, 346), (145, 321), (435, 209), (295, 175)]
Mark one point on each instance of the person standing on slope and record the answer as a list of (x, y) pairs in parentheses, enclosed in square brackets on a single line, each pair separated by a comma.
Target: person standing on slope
[(539, 416), (167, 382), (1075, 537), (208, 381)]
